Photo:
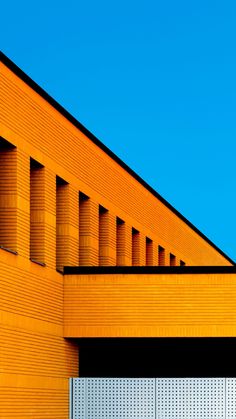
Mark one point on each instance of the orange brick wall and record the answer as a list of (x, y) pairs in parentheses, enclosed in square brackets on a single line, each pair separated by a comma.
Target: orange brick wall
[(150, 305), (35, 360)]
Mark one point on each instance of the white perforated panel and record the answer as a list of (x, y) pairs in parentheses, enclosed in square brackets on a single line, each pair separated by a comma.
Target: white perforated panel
[(78, 398), (160, 398), (114, 398), (120, 398), (190, 398), (231, 398)]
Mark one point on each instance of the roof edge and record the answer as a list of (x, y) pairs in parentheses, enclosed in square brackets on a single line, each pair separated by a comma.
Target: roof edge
[(24, 77), (150, 270)]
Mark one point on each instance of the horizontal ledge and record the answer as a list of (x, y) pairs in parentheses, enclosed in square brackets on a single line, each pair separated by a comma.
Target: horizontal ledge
[(151, 270), (14, 252), (37, 262)]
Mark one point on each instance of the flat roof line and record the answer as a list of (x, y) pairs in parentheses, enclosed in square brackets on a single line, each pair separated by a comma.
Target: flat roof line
[(24, 77), (150, 270)]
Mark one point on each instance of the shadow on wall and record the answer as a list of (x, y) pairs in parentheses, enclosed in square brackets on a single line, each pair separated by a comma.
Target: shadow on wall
[(163, 357)]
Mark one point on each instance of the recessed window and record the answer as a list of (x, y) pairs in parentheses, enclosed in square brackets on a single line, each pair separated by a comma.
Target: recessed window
[(120, 241), (37, 212), (161, 256), (84, 220), (8, 189), (103, 235), (172, 260), (135, 247), (149, 252), (61, 222)]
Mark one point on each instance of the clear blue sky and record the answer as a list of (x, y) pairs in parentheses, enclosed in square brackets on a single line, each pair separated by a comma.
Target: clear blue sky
[(154, 80)]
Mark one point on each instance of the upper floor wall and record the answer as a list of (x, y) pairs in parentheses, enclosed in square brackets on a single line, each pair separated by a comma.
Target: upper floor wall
[(45, 135)]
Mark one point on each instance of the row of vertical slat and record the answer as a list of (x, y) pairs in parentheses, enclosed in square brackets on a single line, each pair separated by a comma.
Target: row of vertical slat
[(43, 217)]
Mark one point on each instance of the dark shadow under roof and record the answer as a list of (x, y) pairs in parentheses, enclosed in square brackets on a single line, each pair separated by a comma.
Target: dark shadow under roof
[(23, 76), (160, 357)]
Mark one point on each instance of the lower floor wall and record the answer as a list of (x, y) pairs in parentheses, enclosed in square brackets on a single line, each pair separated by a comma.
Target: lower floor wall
[(28, 402), (35, 360), (36, 365), (34, 375)]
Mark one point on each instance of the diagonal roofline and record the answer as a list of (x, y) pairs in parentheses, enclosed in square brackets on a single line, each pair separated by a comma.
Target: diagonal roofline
[(31, 83)]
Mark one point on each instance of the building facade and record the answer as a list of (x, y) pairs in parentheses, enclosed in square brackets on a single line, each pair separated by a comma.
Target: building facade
[(92, 258)]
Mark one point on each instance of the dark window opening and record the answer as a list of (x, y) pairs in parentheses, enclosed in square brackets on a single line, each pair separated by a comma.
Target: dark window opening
[(172, 260), (161, 256)]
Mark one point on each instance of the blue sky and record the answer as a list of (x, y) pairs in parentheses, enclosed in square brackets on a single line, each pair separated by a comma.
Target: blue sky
[(154, 80)]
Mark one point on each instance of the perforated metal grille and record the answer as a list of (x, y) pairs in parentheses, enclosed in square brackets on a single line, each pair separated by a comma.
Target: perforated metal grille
[(114, 398), (231, 398), (161, 398), (78, 399), (190, 398)]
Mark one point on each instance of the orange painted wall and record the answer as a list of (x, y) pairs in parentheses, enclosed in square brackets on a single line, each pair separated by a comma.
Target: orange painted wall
[(144, 305), (35, 360)]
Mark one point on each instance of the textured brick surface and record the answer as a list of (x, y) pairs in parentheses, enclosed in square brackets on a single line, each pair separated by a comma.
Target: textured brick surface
[(129, 305)]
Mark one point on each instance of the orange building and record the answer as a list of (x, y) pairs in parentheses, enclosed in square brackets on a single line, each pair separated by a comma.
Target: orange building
[(93, 262)]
